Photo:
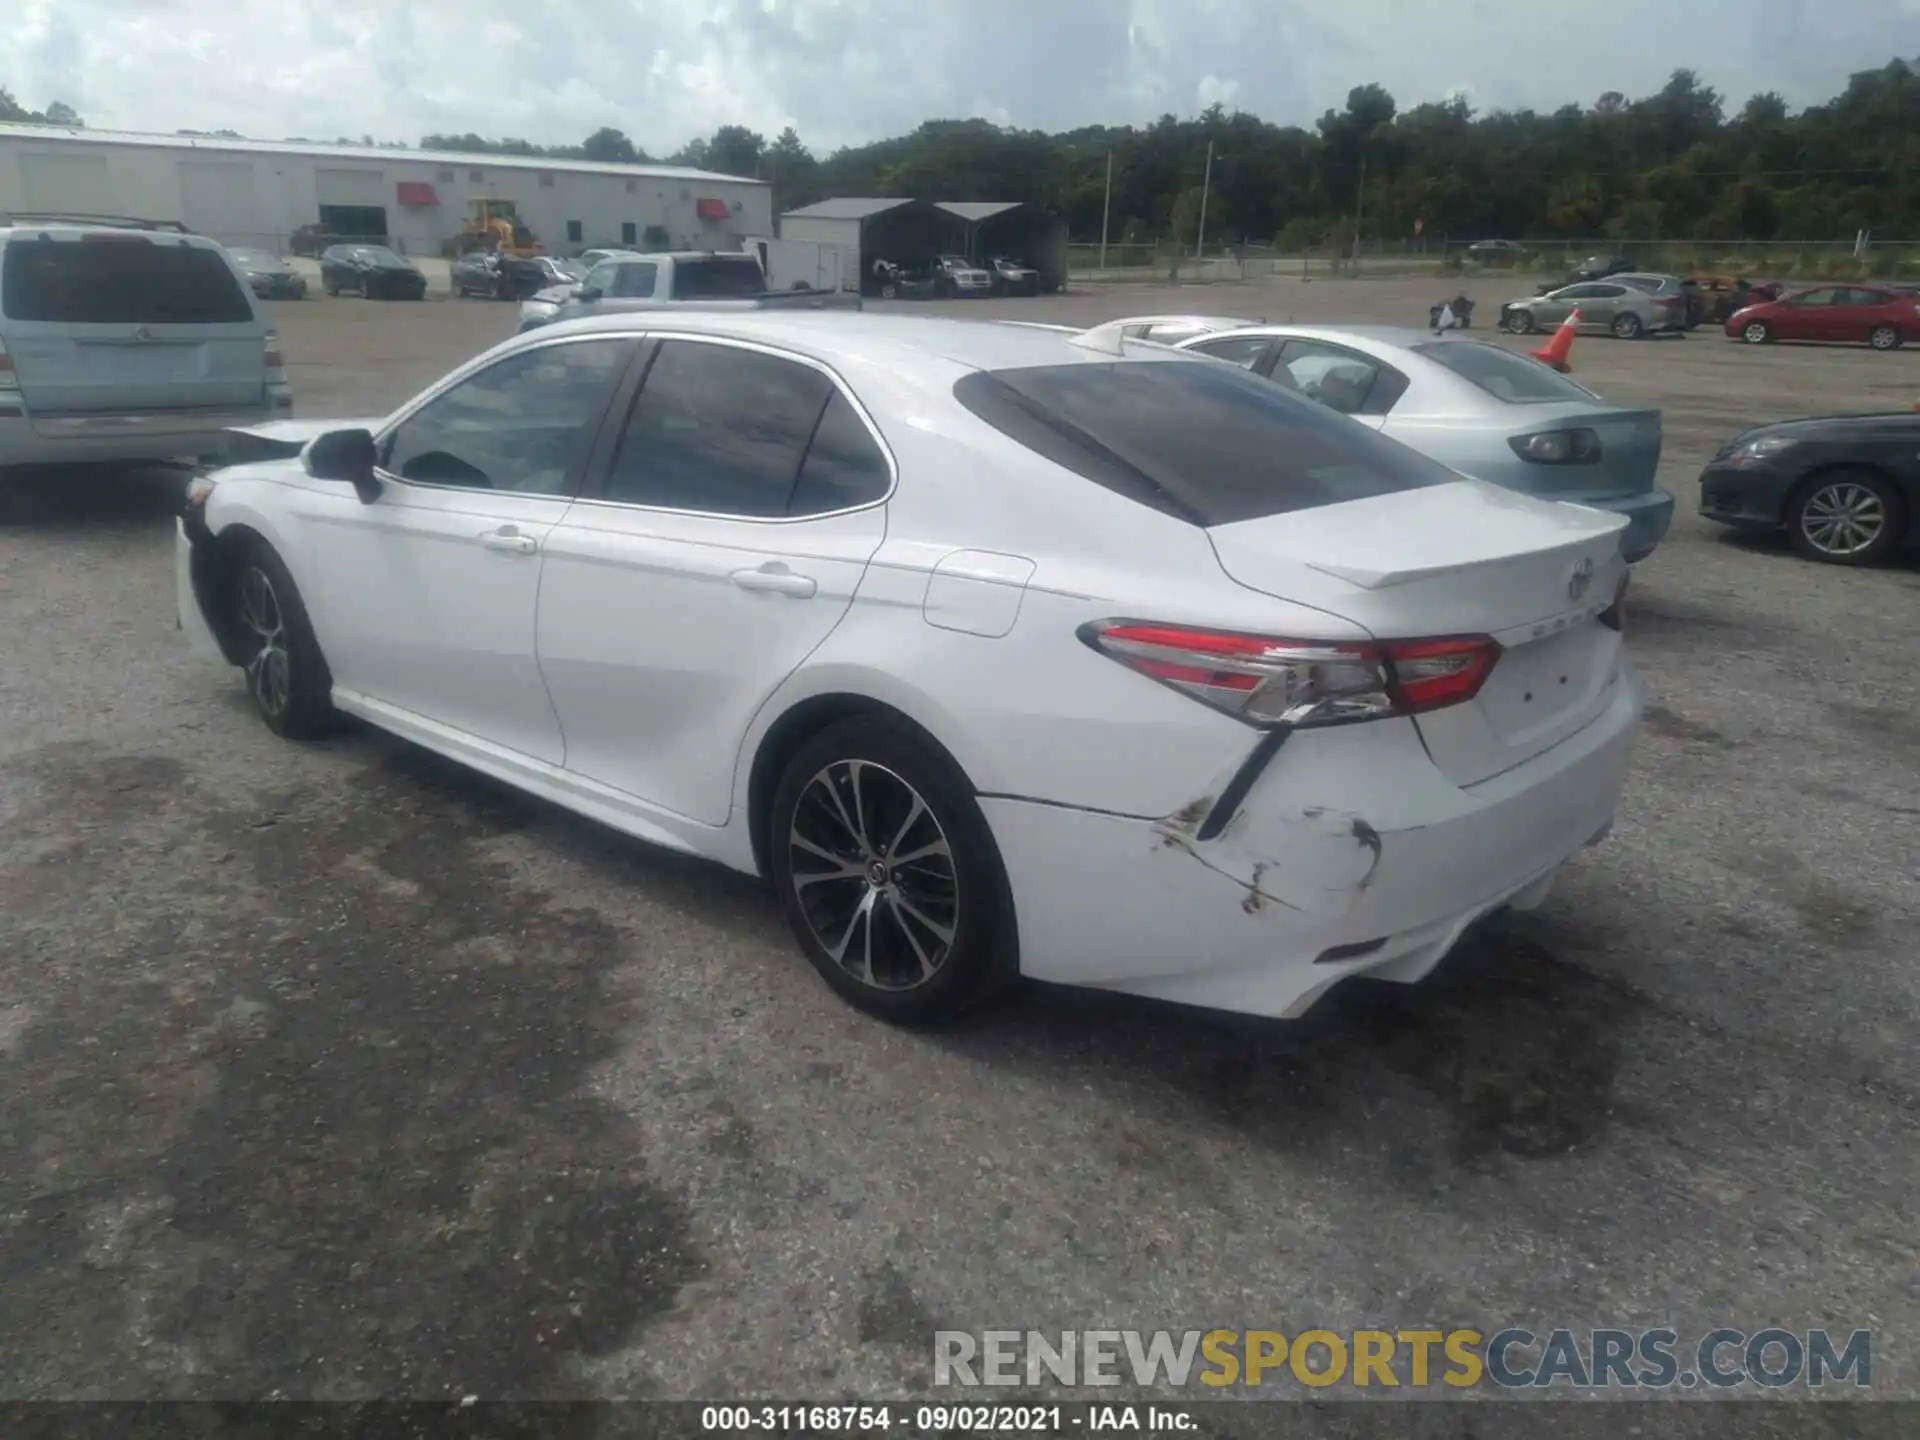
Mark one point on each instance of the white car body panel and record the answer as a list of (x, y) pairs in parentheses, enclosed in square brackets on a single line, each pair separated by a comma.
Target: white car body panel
[(620, 669)]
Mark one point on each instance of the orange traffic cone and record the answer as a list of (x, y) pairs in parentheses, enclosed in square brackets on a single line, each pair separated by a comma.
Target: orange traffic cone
[(1556, 350)]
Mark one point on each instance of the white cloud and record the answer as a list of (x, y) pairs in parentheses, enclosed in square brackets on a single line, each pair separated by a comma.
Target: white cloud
[(845, 71), (1215, 91)]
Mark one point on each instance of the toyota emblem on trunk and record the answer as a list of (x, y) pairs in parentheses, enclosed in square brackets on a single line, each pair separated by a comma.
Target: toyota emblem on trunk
[(1581, 578)]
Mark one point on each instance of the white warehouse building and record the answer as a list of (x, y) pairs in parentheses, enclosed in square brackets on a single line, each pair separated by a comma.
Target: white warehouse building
[(257, 192)]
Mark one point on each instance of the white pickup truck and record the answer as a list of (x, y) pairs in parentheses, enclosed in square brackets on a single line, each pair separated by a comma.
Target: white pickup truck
[(710, 279)]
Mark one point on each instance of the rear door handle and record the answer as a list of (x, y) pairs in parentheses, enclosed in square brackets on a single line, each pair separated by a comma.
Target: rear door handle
[(509, 539), (776, 580)]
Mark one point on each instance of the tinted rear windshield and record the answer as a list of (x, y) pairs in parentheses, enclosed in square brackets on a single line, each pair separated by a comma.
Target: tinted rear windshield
[(1204, 443), (119, 280), (1503, 374), (717, 279)]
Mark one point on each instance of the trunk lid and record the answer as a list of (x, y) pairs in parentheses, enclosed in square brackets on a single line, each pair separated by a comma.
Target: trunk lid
[(1630, 442), (83, 369), (1462, 559)]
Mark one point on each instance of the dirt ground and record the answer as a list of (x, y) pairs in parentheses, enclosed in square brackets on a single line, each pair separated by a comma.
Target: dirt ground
[(336, 1071)]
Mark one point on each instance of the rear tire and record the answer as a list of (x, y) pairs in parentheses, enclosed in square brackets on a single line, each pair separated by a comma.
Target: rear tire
[(1846, 517), (1628, 327), (914, 943), (1884, 337), (1757, 332), (287, 676)]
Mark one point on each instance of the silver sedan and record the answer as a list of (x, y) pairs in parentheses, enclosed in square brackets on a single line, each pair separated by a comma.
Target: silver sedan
[(1619, 309), (1474, 406)]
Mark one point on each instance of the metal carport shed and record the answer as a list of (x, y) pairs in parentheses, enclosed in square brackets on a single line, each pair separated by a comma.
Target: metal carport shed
[(1008, 227), (907, 232)]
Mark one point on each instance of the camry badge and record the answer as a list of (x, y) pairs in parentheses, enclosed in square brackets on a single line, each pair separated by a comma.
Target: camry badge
[(1581, 578)]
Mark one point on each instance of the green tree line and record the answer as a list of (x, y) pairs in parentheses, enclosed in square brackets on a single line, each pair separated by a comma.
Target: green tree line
[(1674, 164)]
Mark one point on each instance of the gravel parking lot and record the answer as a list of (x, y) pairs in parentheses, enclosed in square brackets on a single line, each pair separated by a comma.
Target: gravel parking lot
[(336, 1071)]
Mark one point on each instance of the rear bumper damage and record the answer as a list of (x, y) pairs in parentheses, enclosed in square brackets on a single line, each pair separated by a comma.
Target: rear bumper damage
[(1295, 893)]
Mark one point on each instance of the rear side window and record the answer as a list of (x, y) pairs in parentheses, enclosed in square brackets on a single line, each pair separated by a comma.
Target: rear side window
[(843, 468), (1503, 374), (1243, 350), (119, 280), (719, 430), (1203, 443), (717, 278)]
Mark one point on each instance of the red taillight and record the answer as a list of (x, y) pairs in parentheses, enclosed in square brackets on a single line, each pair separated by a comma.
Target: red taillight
[(1430, 674), (1266, 680), (1614, 617)]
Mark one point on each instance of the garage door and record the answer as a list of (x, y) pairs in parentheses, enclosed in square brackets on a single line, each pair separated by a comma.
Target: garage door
[(73, 183), (350, 187), (217, 198)]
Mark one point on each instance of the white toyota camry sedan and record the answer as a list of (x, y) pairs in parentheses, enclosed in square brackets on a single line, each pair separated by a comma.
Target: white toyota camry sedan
[(996, 651)]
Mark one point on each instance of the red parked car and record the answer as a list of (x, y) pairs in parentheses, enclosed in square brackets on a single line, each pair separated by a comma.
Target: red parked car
[(1882, 318)]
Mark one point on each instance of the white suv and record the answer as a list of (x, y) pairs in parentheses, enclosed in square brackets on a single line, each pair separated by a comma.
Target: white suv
[(122, 341)]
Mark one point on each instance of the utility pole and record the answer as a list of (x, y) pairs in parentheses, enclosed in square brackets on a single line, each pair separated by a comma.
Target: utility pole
[(1206, 186), (1359, 196), (1106, 210)]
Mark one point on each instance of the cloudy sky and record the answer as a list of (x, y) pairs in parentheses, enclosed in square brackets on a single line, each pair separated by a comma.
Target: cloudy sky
[(847, 71)]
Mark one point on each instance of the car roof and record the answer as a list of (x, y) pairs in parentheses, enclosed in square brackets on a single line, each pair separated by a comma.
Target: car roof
[(852, 336), (68, 229)]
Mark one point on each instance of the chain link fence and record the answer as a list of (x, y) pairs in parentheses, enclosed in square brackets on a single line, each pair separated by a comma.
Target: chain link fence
[(1089, 262)]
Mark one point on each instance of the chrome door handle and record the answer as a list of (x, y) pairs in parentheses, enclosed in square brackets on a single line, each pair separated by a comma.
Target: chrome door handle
[(509, 539), (780, 581)]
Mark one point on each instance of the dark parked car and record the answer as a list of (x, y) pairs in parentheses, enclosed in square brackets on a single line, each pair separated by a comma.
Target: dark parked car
[(270, 277), (1496, 252), (1845, 488), (896, 282), (498, 277), (1013, 276), (1594, 267), (1884, 318), (372, 272)]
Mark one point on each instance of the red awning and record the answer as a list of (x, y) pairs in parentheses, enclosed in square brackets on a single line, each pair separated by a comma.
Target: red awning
[(417, 192), (711, 209)]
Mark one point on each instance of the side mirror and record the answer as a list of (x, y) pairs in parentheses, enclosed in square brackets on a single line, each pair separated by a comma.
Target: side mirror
[(344, 455), (588, 294)]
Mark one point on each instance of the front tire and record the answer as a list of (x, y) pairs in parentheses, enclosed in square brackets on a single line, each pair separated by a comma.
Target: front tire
[(1757, 332), (888, 874), (1519, 322), (287, 676), (1846, 517), (1884, 337)]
